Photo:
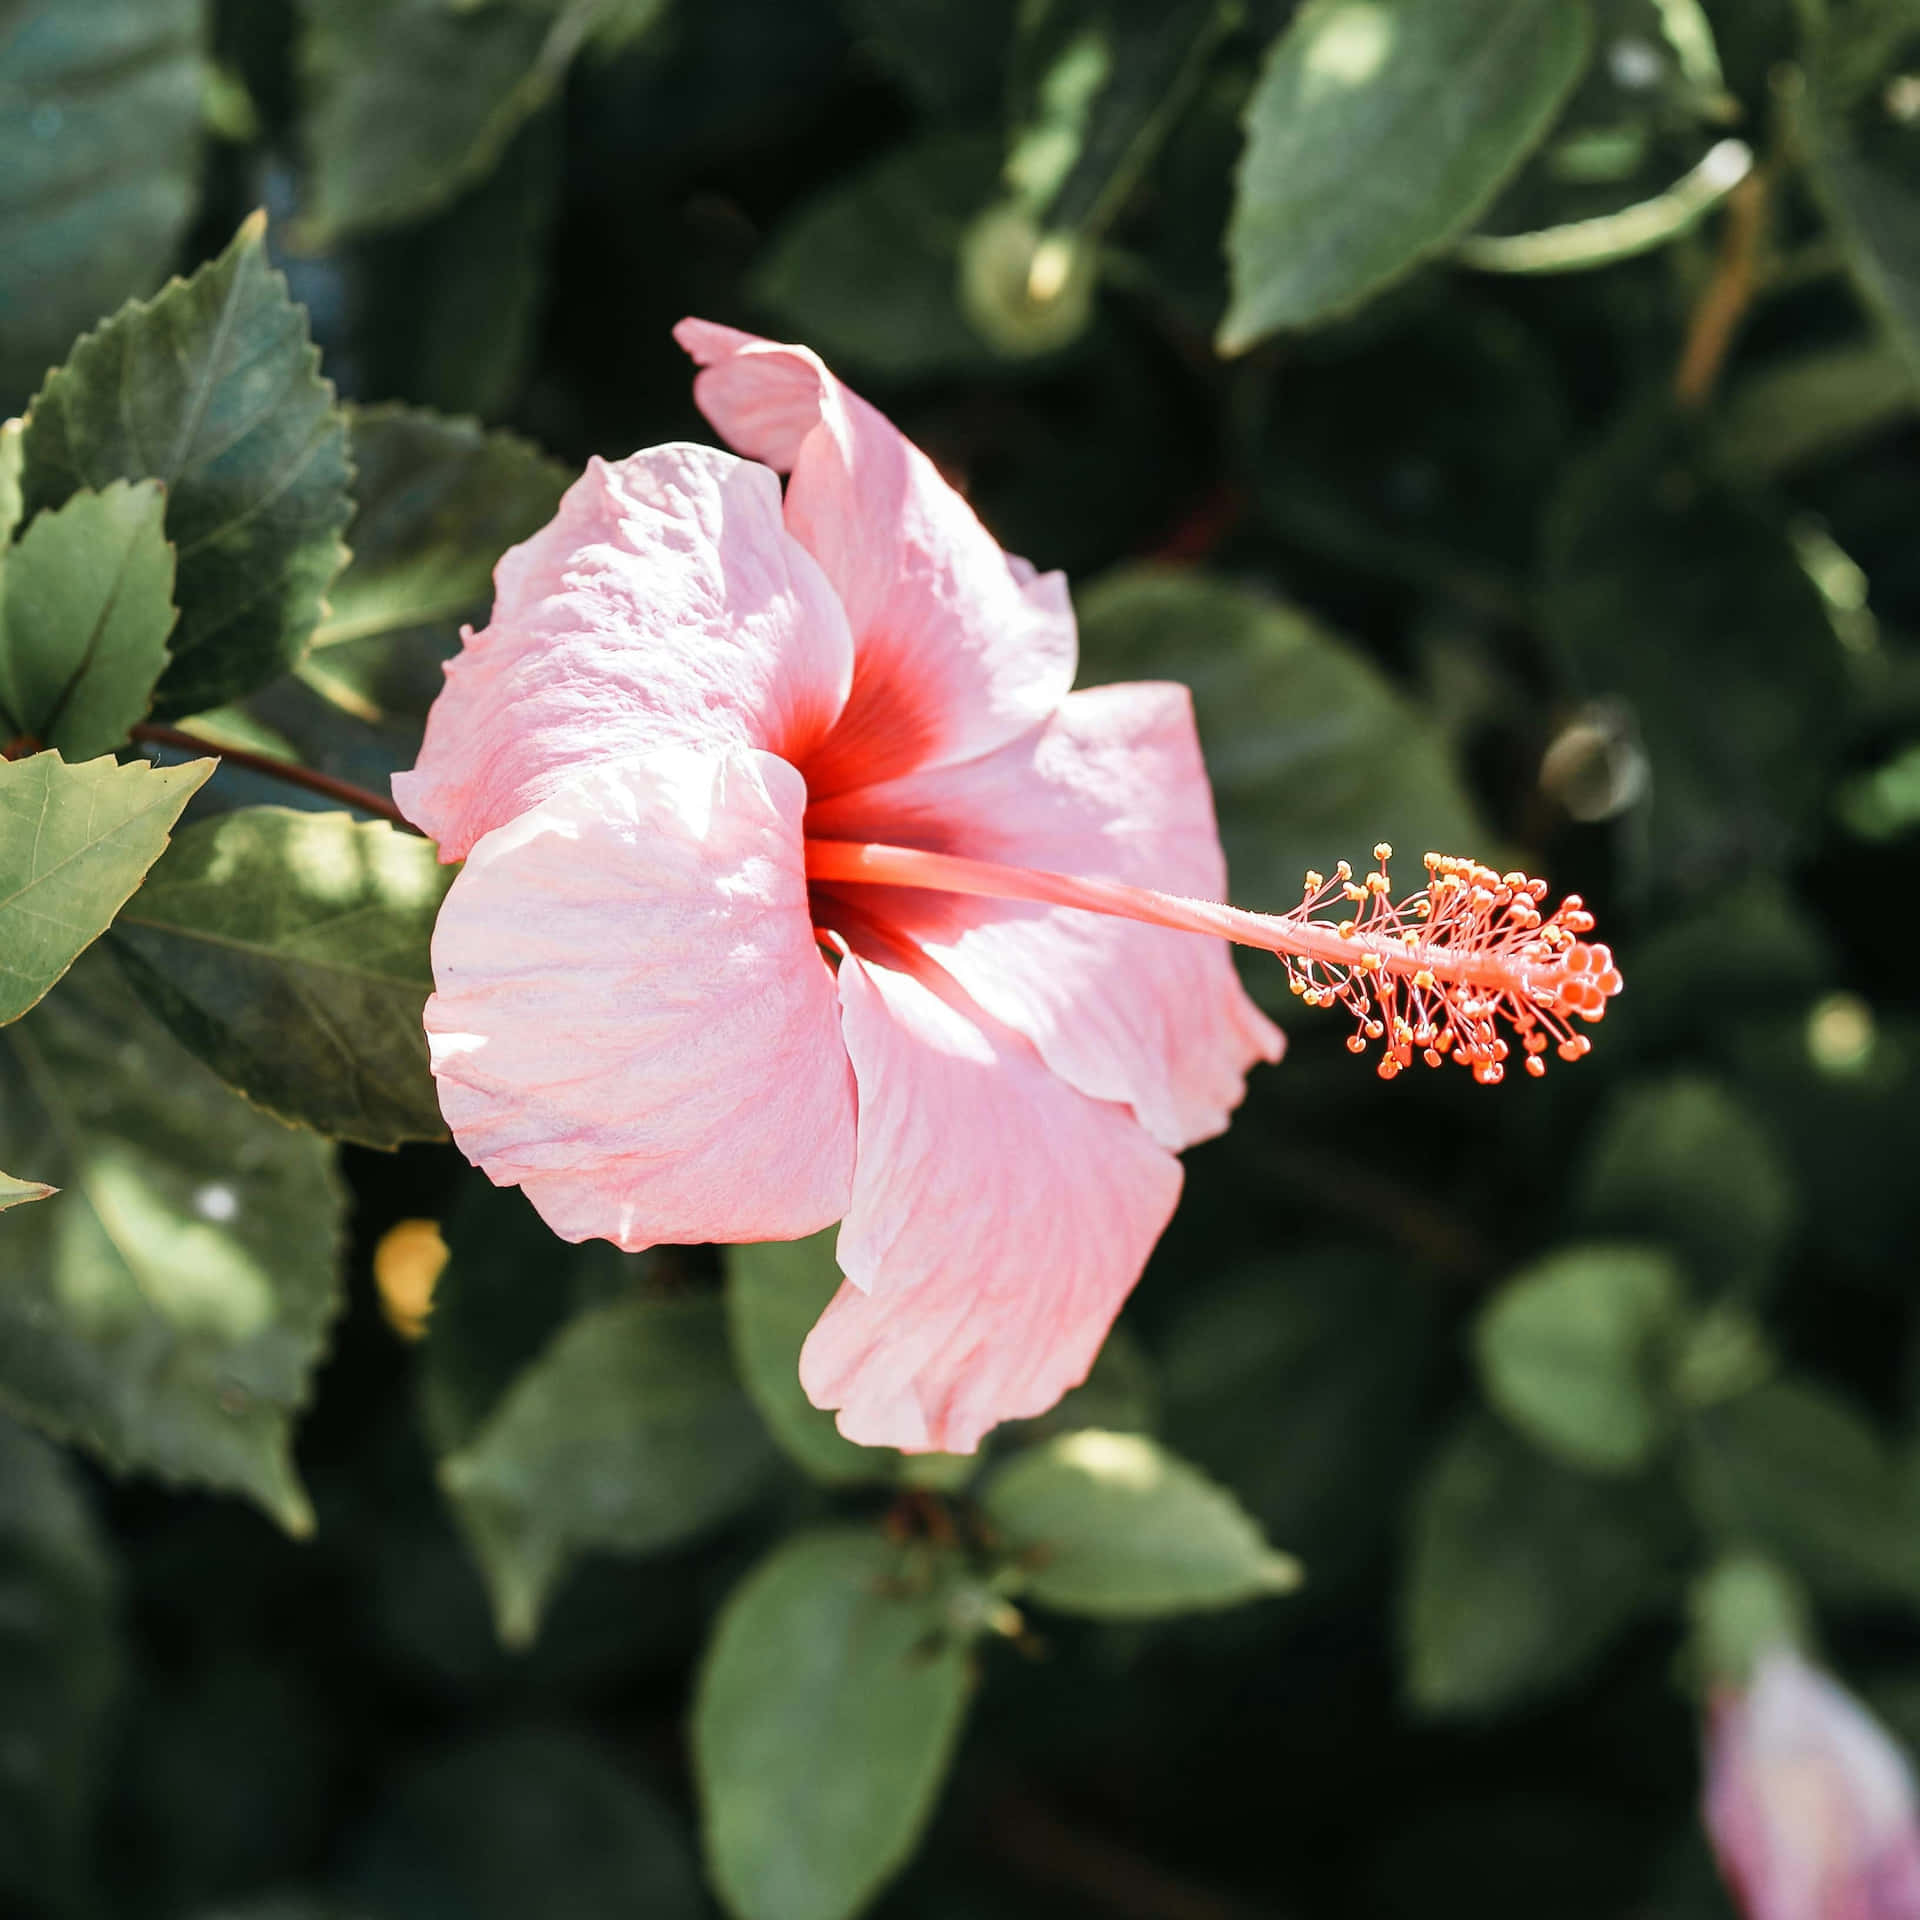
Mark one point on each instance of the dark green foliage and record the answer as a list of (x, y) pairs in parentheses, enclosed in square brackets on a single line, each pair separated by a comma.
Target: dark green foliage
[(1501, 414)]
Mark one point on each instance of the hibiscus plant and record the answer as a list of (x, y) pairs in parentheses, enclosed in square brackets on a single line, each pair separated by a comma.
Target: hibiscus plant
[(757, 760)]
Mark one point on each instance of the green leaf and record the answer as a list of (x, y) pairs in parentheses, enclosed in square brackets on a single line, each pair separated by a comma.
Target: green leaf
[(1663, 580), (1863, 157), (74, 844), (16, 1193), (13, 454), (1298, 1383), (1313, 755), (1793, 1471), (437, 502), (1741, 1608), (167, 1308), (1815, 406), (409, 102), (212, 388), (448, 310), (289, 951), (1521, 1572), (59, 1661), (99, 163), (775, 1292), (1569, 1351), (1113, 1525), (1685, 1160), (950, 55), (1097, 84), (518, 1824), (828, 1707), (86, 605), (627, 1433), (1377, 136), (867, 270)]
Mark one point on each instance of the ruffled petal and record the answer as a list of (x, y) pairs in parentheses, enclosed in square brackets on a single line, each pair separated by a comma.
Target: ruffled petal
[(957, 647), (1112, 787), (633, 1021), (665, 603), (998, 1221)]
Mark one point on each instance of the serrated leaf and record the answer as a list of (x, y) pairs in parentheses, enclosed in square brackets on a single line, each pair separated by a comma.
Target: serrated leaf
[(409, 102), (166, 1308), (523, 1823), (437, 502), (1314, 756), (627, 1433), (1795, 1471), (828, 1706), (59, 1662), (86, 605), (775, 1292), (290, 952), (1521, 1572), (74, 844), (1570, 1349), (212, 388), (99, 163), (1377, 135), (1114, 1526)]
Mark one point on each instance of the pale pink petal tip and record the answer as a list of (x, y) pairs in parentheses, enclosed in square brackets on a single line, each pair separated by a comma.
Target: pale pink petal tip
[(998, 1221), (632, 1020)]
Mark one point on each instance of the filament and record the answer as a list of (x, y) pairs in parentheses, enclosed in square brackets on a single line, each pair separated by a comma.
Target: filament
[(1464, 969)]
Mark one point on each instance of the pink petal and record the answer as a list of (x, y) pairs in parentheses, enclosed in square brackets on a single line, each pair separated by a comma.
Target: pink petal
[(633, 1020), (957, 647), (998, 1221), (664, 603), (1112, 787)]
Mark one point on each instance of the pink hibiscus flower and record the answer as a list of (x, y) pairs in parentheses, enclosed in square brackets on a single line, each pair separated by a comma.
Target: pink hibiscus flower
[(1809, 1804), (800, 886)]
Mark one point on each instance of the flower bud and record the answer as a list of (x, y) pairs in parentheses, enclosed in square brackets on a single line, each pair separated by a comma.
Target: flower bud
[(1809, 1804)]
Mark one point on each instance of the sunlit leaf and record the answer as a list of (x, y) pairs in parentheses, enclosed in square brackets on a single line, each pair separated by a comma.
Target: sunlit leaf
[(1112, 1525), (1521, 1572), (627, 1433), (99, 163), (1378, 134), (436, 503), (289, 951), (16, 1193), (213, 389), (86, 605), (166, 1308), (59, 1659), (1570, 1351), (74, 844), (828, 1706)]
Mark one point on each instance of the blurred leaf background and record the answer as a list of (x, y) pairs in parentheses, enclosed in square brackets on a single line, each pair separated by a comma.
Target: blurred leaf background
[(1503, 414)]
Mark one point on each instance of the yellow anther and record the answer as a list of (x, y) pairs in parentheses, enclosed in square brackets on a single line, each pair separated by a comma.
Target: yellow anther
[(1346, 929), (1382, 851), (1315, 881), (1343, 872), (1424, 979)]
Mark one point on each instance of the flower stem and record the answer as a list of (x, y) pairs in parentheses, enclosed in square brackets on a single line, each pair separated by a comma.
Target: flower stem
[(323, 784)]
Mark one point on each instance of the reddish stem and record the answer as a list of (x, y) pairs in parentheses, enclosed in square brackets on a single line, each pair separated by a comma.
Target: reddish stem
[(323, 784)]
